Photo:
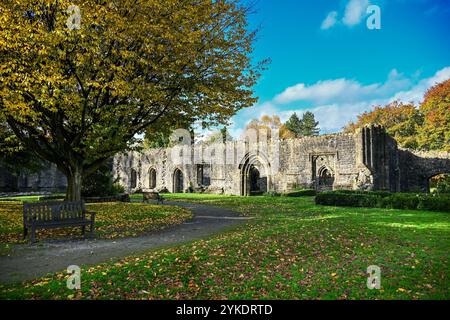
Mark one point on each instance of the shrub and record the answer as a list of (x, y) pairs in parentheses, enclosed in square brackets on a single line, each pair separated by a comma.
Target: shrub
[(414, 201), (435, 203), (377, 193), (117, 188), (381, 199), (401, 201), (300, 193), (443, 187), (272, 194), (100, 184), (347, 199)]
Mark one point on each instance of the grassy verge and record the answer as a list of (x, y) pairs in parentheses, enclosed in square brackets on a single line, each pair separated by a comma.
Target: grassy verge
[(113, 220), (294, 249)]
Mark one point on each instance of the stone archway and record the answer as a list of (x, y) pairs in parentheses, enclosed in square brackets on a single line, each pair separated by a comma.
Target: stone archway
[(255, 178), (152, 178), (325, 179), (417, 168), (178, 181)]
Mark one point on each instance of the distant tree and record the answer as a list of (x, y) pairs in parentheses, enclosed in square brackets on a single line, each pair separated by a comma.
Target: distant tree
[(402, 121), (308, 125), (434, 133), (294, 124), (268, 123), (219, 136)]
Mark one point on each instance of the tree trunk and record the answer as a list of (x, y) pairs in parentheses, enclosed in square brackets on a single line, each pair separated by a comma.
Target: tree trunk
[(74, 181)]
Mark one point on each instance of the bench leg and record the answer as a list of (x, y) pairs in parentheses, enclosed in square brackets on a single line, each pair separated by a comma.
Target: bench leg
[(83, 230), (91, 233), (25, 232), (33, 234)]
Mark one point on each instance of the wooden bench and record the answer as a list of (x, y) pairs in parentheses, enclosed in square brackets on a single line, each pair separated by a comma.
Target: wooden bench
[(147, 196), (56, 214)]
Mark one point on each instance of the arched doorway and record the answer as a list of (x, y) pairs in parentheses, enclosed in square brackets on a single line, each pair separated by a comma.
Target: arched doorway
[(255, 178), (152, 178), (178, 181), (326, 179)]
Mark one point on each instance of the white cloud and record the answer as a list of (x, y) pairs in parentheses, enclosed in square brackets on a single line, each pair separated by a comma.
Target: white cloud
[(330, 20), (332, 117), (342, 90), (354, 12), (416, 93), (335, 102)]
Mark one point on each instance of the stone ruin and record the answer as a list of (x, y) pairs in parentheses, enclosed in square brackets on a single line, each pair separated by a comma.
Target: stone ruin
[(367, 160)]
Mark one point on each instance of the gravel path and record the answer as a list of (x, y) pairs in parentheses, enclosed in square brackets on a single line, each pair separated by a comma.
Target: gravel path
[(26, 262)]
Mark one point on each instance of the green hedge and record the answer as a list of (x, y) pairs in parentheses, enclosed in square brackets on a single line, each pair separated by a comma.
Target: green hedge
[(347, 199), (300, 193), (416, 201), (272, 194), (377, 193), (410, 201)]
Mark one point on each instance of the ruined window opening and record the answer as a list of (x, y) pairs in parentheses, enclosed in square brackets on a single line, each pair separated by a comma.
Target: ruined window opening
[(204, 174), (133, 179), (152, 178)]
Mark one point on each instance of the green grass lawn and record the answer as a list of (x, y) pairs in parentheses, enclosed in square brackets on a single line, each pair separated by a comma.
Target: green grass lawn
[(292, 249), (113, 220)]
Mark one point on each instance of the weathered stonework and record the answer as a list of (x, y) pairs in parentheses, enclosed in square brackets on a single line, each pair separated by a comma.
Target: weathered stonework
[(49, 179), (366, 160)]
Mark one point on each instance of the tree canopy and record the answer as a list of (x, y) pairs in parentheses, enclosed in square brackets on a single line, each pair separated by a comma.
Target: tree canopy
[(401, 121), (75, 96), (426, 127), (434, 134), (294, 125), (268, 123), (306, 126)]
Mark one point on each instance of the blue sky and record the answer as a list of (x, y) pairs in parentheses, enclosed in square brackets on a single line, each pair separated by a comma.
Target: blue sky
[(325, 59)]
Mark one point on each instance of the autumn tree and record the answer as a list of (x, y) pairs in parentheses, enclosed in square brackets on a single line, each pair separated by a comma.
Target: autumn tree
[(159, 136), (79, 80), (401, 121), (219, 136), (434, 133), (267, 124)]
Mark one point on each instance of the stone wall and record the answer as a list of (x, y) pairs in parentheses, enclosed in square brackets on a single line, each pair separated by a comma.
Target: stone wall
[(49, 179), (417, 167), (366, 160)]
